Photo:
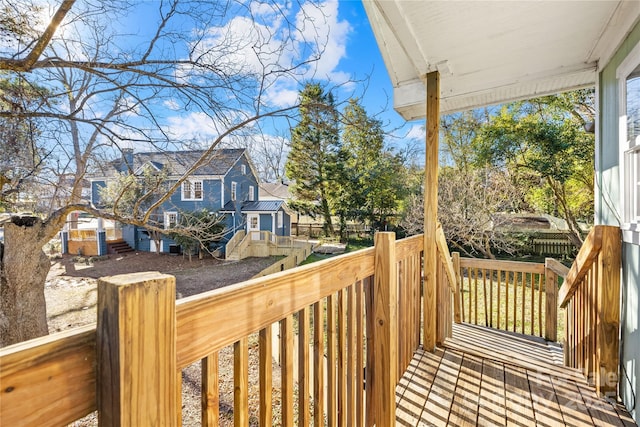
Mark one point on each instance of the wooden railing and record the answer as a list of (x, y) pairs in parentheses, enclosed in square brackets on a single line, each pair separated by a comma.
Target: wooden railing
[(83, 235), (591, 298), (235, 241), (447, 281), (368, 303), (90, 234), (508, 295), (262, 244)]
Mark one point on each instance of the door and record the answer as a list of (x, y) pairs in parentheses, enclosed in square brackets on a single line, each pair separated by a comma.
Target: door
[(253, 226)]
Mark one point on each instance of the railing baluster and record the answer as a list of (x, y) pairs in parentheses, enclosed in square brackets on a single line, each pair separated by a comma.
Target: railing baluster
[(266, 375), (303, 367), (475, 296), (331, 362), (351, 355), (342, 360), (359, 354), (499, 292), (318, 364), (286, 366), (210, 415), (506, 301)]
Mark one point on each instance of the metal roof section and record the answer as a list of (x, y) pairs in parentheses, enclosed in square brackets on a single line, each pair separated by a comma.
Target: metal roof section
[(491, 52), (255, 206)]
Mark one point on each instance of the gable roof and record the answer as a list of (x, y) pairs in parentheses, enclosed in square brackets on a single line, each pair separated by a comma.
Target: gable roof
[(273, 191), (494, 52), (176, 163)]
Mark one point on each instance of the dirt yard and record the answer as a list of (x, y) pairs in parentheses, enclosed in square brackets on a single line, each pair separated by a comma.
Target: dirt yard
[(71, 296)]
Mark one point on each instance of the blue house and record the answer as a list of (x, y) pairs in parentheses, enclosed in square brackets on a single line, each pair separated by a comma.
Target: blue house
[(227, 183)]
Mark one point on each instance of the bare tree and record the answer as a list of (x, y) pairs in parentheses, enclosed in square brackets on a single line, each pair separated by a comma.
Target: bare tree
[(468, 207), (113, 84)]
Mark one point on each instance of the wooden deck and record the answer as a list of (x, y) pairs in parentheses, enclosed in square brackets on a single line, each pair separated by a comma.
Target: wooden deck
[(487, 377)]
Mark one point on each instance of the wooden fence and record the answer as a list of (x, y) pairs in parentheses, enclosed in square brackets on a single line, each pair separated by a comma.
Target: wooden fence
[(591, 297), (368, 303)]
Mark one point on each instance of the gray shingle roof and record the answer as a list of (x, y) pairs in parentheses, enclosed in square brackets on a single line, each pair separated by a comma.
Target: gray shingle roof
[(178, 162)]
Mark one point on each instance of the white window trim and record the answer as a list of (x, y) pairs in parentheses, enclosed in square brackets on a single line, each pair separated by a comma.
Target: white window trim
[(192, 192), (234, 191), (630, 228), (252, 191), (243, 169), (280, 219), (167, 219)]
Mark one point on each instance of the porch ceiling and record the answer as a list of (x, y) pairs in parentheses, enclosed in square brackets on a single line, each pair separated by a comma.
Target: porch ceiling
[(490, 52)]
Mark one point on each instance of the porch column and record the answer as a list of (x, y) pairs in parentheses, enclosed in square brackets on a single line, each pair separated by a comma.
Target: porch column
[(101, 238), (431, 210)]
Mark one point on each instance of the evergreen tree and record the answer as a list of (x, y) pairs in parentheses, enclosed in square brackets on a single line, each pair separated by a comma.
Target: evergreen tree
[(315, 157), (373, 184)]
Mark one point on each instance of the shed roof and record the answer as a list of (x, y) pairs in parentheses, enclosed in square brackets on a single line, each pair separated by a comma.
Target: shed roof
[(490, 52), (255, 206)]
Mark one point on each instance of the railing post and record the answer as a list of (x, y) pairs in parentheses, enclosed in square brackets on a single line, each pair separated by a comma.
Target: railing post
[(551, 303), (136, 350), (385, 330), (457, 306), (608, 311)]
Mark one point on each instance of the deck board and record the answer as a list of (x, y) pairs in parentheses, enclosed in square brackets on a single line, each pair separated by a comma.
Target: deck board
[(484, 377)]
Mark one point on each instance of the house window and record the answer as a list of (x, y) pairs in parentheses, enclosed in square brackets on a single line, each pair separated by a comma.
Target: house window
[(243, 169), (192, 190), (234, 190), (628, 74), (170, 219), (252, 191), (280, 219)]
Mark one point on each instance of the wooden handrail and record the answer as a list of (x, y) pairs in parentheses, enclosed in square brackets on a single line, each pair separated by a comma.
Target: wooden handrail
[(557, 267), (588, 253), (445, 256), (61, 369), (591, 298)]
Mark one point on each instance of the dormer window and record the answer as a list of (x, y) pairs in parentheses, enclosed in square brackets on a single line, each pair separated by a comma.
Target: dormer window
[(192, 190)]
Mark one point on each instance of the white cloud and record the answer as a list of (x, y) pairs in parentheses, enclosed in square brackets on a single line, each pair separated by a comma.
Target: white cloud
[(330, 36), (416, 132), (171, 104), (196, 125), (266, 44)]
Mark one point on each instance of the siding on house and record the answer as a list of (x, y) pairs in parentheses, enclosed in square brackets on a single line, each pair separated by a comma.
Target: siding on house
[(608, 211), (230, 169)]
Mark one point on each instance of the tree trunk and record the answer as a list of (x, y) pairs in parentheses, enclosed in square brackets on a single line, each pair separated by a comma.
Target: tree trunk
[(23, 271)]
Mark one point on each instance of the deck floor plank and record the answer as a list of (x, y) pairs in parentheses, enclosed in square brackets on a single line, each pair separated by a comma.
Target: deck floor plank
[(438, 404), (518, 397), (492, 410), (410, 405), (464, 410), (484, 377)]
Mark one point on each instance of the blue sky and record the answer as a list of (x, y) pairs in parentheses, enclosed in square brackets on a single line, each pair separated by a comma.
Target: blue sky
[(350, 55), (350, 63)]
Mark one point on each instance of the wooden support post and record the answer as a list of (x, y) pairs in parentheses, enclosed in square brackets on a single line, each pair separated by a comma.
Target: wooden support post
[(551, 304), (136, 348), (457, 305), (385, 330), (431, 210), (608, 311)]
